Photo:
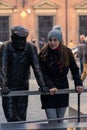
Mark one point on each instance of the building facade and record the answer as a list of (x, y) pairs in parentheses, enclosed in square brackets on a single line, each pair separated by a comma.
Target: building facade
[(40, 15)]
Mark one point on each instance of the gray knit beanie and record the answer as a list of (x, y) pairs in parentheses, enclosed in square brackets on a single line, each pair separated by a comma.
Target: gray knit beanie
[(55, 33), (57, 27)]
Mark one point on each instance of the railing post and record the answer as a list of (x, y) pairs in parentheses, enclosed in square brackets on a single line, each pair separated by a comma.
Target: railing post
[(78, 107)]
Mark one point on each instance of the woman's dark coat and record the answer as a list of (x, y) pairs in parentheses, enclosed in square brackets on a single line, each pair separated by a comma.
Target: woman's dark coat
[(54, 77)]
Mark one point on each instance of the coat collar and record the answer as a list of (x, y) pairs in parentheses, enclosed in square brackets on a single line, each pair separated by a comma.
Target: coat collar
[(12, 48)]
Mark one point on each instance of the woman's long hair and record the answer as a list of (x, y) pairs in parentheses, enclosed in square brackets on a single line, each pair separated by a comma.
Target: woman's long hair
[(64, 54)]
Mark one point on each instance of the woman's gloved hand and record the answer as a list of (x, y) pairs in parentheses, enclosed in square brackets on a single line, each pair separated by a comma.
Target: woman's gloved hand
[(5, 90)]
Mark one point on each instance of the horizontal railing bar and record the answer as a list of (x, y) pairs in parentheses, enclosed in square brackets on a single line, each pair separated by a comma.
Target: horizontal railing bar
[(45, 120), (27, 92)]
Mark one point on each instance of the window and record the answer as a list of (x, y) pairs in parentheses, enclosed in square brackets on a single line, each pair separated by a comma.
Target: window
[(4, 28), (83, 25), (45, 24)]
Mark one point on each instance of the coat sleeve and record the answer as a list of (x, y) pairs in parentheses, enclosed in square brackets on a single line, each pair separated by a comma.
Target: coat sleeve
[(44, 70), (4, 66), (79, 54), (75, 70), (36, 67)]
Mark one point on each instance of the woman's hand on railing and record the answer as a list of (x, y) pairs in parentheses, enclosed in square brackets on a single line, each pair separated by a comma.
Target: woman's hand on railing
[(79, 89), (53, 91)]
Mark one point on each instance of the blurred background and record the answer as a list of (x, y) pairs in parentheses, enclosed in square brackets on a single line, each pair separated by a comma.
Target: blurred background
[(39, 16)]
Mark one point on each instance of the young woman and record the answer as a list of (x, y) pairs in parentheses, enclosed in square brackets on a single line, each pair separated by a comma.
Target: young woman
[(55, 61)]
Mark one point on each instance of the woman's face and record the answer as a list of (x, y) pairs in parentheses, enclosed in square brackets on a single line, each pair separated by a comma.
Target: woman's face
[(53, 42)]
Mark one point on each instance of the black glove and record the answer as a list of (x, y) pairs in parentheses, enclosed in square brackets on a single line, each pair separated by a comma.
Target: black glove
[(5, 90), (44, 89)]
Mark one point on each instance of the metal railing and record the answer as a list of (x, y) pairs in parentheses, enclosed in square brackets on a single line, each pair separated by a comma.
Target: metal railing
[(64, 91)]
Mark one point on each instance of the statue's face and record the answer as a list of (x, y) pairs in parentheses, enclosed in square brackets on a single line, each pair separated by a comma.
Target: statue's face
[(18, 42)]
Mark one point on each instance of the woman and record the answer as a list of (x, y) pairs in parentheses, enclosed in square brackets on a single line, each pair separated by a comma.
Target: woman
[(55, 61)]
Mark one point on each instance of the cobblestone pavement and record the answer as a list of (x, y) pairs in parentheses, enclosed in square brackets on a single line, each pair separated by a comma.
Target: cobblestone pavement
[(34, 111)]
